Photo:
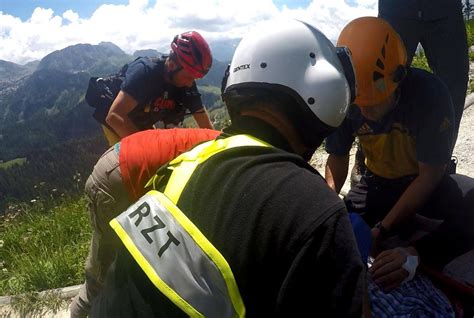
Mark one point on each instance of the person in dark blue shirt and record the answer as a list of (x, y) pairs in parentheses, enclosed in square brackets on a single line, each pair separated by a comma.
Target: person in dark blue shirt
[(404, 120), (161, 90)]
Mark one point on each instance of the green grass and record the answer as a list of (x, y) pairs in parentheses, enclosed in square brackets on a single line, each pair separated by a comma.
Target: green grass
[(43, 245), (420, 61), (8, 164)]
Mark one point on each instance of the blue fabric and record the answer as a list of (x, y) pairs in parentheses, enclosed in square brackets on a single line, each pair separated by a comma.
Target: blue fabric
[(416, 298), (362, 234), (117, 148)]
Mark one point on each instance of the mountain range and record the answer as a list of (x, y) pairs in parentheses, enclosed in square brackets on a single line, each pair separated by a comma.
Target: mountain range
[(48, 136)]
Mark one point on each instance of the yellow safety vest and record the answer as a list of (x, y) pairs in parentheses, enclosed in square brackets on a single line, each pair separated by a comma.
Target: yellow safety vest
[(170, 249)]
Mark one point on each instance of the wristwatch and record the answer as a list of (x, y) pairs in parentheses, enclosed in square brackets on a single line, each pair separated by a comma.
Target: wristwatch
[(384, 232)]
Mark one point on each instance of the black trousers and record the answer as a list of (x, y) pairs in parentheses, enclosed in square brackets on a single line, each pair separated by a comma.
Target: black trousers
[(449, 62), (452, 201)]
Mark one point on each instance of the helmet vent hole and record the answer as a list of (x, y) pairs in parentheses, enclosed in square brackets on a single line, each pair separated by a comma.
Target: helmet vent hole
[(380, 64), (312, 55), (376, 76), (311, 100), (263, 65)]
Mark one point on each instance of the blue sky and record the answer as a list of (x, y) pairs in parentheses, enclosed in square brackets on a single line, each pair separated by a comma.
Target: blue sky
[(31, 29), (24, 8), (292, 4)]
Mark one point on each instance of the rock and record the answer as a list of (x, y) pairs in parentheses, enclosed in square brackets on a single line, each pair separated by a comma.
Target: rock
[(469, 100)]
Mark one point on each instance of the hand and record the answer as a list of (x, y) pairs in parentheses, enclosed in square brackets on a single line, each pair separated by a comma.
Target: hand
[(387, 270)]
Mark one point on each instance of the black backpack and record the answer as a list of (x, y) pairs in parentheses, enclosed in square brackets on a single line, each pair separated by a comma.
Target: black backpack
[(101, 93)]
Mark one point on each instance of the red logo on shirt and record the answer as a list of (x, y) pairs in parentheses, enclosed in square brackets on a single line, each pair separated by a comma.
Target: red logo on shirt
[(162, 103)]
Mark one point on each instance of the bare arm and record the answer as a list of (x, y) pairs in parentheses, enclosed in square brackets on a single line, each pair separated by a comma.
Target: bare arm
[(118, 115), (415, 195), (202, 119), (336, 171)]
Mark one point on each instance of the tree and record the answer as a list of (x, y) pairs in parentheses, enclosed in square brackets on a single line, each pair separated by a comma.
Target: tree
[(467, 9)]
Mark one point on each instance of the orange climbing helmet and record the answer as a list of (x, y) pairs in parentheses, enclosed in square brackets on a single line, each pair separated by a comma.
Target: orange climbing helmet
[(379, 57)]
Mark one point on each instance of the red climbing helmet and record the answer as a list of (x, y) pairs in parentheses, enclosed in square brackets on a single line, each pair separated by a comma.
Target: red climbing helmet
[(192, 53)]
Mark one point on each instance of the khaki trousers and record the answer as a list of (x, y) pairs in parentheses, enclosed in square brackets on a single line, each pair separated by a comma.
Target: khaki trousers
[(107, 199)]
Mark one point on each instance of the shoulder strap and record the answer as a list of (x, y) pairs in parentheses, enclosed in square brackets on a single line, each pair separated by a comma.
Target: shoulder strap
[(184, 165), (124, 68), (178, 259)]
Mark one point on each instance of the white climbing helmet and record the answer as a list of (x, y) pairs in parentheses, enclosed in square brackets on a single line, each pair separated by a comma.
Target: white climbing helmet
[(296, 58)]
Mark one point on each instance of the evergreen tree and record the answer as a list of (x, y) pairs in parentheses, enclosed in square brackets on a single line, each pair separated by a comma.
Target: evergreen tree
[(468, 9)]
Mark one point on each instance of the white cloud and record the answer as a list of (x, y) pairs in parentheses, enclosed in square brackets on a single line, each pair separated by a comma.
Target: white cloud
[(71, 16), (331, 16), (146, 24)]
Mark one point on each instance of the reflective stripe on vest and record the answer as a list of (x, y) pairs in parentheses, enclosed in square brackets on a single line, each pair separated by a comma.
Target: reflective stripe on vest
[(184, 165), (170, 249)]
